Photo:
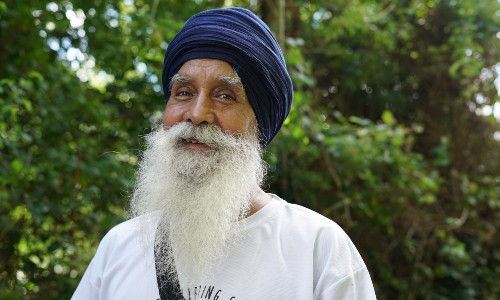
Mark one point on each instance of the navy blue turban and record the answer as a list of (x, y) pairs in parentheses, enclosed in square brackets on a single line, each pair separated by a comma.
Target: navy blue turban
[(238, 37)]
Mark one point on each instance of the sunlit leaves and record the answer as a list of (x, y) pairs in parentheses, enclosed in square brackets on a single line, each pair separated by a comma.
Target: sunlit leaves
[(379, 137)]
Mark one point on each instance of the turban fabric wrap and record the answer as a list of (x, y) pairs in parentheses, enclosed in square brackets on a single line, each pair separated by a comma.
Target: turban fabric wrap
[(238, 37)]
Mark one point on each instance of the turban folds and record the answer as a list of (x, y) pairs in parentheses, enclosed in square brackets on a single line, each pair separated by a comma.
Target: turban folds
[(238, 37)]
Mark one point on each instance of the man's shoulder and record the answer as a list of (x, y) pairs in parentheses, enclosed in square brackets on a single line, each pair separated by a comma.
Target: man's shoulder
[(303, 222), (306, 227), (130, 229), (305, 216)]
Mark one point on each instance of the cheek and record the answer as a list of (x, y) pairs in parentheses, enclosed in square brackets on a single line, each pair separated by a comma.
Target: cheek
[(171, 116), (239, 122)]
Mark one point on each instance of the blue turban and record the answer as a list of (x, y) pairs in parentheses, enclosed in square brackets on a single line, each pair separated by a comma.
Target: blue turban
[(238, 37)]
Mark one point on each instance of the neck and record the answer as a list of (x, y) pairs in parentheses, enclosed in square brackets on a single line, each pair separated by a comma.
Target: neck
[(259, 200)]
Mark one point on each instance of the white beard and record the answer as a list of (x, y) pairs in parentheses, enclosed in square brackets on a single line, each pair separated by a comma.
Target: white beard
[(199, 195)]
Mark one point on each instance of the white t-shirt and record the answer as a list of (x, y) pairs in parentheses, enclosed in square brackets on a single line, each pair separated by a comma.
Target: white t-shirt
[(288, 252)]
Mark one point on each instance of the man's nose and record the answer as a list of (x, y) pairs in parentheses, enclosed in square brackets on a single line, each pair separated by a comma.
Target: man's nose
[(201, 110)]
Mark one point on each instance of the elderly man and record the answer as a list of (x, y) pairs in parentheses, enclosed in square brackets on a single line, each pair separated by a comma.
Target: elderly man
[(202, 227)]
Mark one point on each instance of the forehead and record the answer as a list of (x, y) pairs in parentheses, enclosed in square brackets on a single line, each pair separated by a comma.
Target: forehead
[(205, 65)]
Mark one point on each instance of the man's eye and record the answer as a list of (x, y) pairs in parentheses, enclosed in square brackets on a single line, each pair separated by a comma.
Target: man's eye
[(227, 97), (182, 94)]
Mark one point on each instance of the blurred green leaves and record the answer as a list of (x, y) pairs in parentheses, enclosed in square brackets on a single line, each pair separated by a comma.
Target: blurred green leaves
[(385, 136)]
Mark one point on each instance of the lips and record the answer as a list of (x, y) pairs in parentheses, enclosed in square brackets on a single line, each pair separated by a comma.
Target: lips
[(194, 144), (191, 141)]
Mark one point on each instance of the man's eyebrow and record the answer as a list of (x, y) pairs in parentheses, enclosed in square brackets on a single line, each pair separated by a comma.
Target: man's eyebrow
[(178, 78), (232, 80)]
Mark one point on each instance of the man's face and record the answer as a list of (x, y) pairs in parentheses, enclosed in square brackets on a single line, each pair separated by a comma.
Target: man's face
[(208, 91)]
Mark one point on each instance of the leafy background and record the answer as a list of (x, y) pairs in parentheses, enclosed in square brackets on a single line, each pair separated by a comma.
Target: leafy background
[(394, 132)]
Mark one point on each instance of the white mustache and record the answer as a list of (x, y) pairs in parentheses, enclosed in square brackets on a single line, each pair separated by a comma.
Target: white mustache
[(210, 135)]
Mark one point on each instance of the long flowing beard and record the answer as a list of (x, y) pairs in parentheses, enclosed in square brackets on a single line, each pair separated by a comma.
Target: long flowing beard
[(199, 196)]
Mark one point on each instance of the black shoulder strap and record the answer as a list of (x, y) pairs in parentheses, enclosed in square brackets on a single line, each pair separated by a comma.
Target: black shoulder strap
[(169, 289)]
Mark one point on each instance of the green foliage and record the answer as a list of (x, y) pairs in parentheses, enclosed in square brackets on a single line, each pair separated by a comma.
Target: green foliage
[(385, 135), (406, 185), (56, 170)]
